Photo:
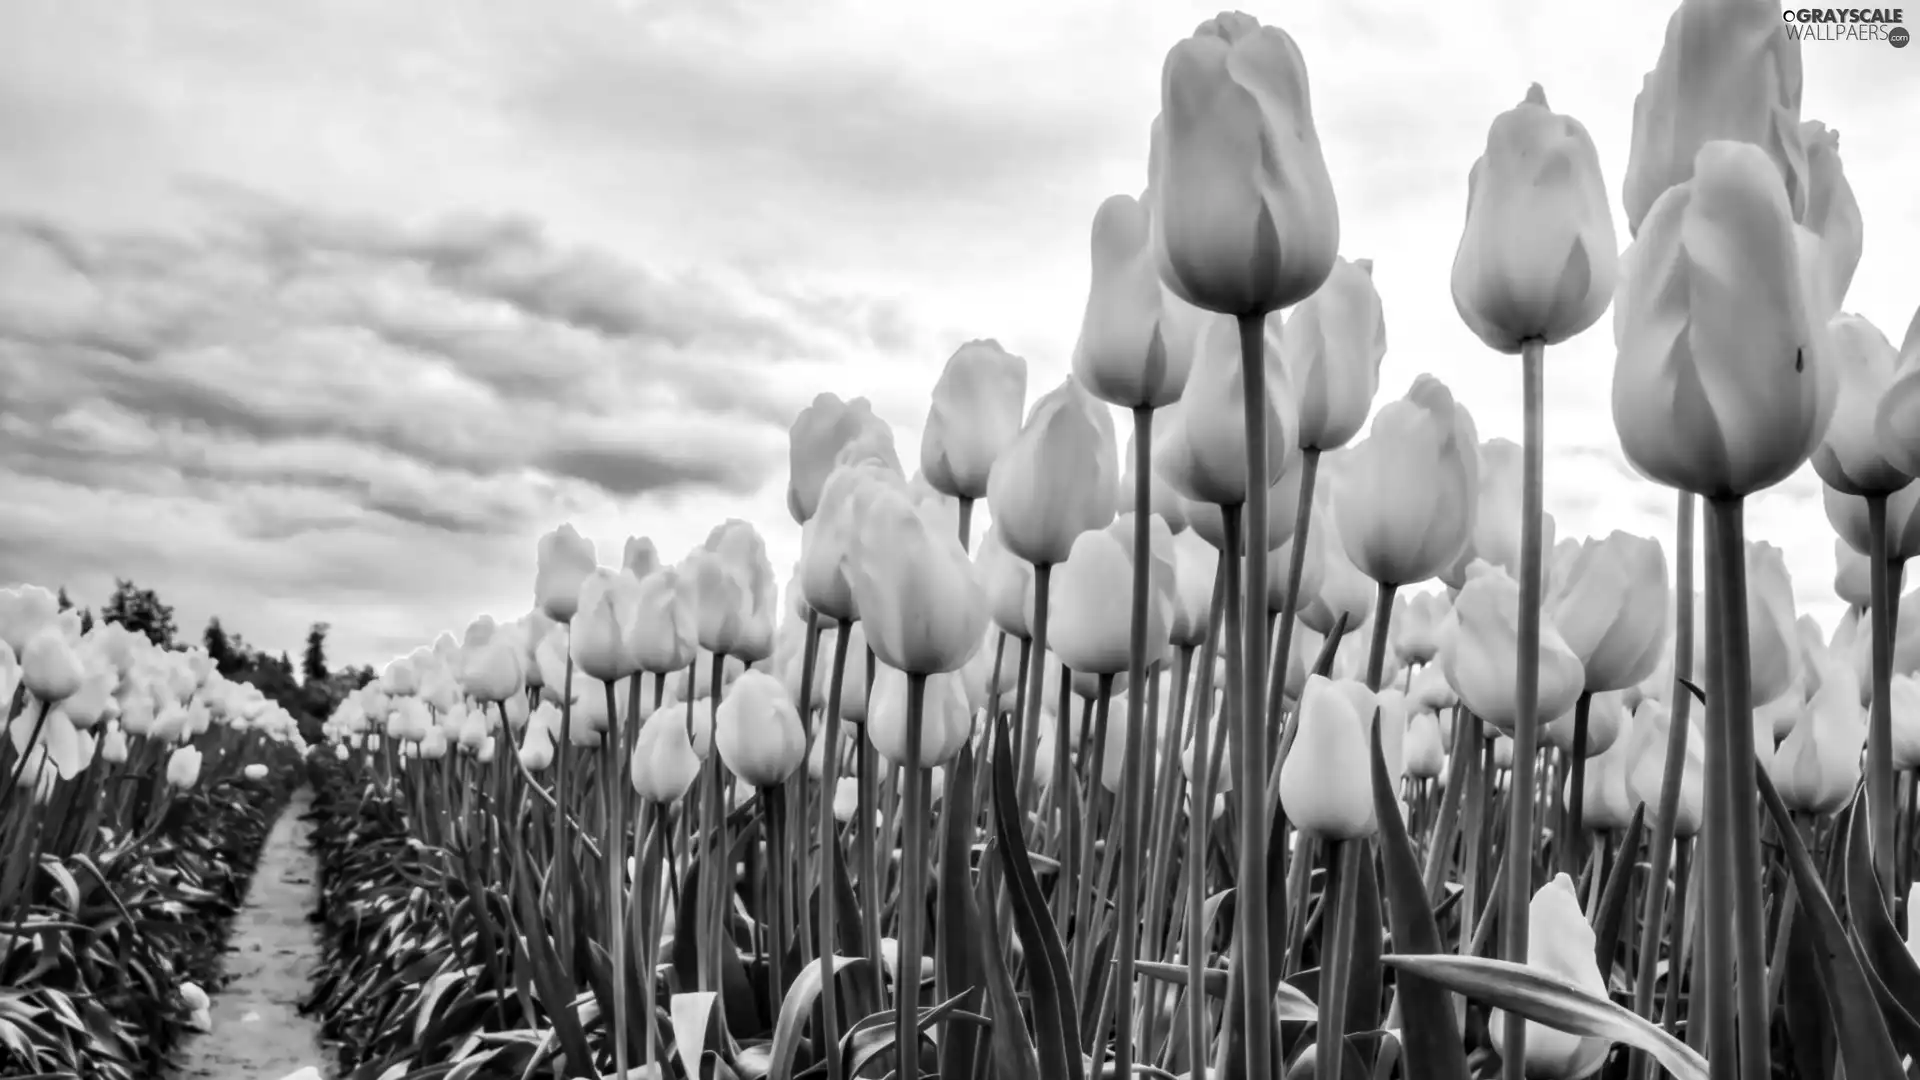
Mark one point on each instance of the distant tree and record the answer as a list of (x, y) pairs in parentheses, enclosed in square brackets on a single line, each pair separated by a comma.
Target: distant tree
[(220, 647), (86, 620), (141, 611), (313, 664), (66, 602)]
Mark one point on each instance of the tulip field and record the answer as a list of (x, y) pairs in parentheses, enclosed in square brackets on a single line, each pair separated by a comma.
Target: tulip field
[(1207, 715)]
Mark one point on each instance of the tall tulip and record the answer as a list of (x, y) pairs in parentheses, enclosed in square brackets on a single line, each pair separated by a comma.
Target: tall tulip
[(1331, 350), (826, 434), (1407, 509), (829, 533), (608, 615), (1613, 610), (974, 417), (666, 639), (566, 558)]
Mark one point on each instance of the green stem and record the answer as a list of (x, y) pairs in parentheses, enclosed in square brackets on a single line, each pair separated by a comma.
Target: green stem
[(1134, 764), (1880, 791), (830, 849), (1740, 789), (1377, 653), (1573, 845), (1526, 735), (614, 855), (1336, 968), (912, 886), (1251, 908)]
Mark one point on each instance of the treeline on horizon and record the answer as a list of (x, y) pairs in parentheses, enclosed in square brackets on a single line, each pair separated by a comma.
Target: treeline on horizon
[(309, 691)]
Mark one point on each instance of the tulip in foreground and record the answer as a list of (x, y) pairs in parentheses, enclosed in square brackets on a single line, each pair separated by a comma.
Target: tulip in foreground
[(183, 767), (1537, 258), (1560, 942), (1246, 221), (758, 731), (1322, 782)]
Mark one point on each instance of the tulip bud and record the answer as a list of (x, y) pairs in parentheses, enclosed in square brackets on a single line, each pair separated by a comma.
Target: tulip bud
[(1283, 505), (1008, 582), (491, 672), (536, 750), (946, 720), (1331, 351), (1753, 349), (1537, 259), (828, 535), (1850, 460), (974, 417), (1093, 593), (664, 763), (1773, 638), (1896, 423), (1852, 577), (1817, 766), (1850, 518), (1479, 658), (1425, 750), (256, 771), (922, 609), (1136, 338), (565, 560), (846, 799), (1245, 220), (734, 592), (1058, 477), (1406, 510), (183, 767), (758, 731), (49, 667), (113, 746), (608, 613), (1317, 779), (1195, 565), (1560, 942), (1415, 630), (1726, 71), (1343, 590), (819, 434), (639, 557), (1201, 448), (1612, 611), (1646, 776)]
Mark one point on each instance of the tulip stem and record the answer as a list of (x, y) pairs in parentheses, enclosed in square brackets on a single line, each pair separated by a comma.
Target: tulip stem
[(1382, 616), (830, 848), (1200, 817), (614, 854), (1133, 765), (1573, 844), (1250, 909), (1739, 789), (1526, 735), (1036, 685), (966, 523), (1880, 790), (1336, 968), (906, 969)]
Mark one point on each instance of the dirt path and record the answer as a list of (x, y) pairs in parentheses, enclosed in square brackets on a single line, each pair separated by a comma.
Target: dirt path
[(258, 1032)]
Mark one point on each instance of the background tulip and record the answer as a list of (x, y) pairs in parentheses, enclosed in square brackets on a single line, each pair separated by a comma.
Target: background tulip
[(1905, 698), (1850, 460), (1496, 515), (1726, 71), (1201, 448), (1136, 338), (1331, 352), (758, 731), (1415, 631), (920, 605), (183, 767), (1817, 766), (1896, 423), (734, 595), (1753, 346), (1652, 722), (1093, 599), (974, 417), (565, 560), (607, 617), (1773, 637), (1613, 610), (1606, 719), (1245, 220), (1537, 258), (1283, 505), (1058, 479), (946, 720), (828, 535), (1560, 942), (639, 557), (50, 668), (1405, 511), (1852, 577), (817, 439), (1479, 658), (1848, 515), (1195, 565), (1424, 749), (1832, 213)]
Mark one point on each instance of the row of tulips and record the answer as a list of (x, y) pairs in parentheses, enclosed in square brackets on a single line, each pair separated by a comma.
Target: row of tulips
[(136, 789), (1175, 767)]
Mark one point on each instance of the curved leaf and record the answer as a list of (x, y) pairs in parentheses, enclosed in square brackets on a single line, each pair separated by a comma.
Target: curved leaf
[(692, 1014), (798, 1002)]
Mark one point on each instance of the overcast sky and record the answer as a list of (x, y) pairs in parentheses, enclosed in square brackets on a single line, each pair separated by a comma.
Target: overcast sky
[(328, 315)]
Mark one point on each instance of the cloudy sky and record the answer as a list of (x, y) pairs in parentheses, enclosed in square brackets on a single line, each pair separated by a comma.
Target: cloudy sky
[(327, 315)]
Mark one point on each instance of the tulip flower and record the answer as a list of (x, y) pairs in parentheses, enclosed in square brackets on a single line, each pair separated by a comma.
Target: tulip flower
[(1607, 802), (183, 767), (983, 689), (1852, 577), (974, 417), (1283, 506), (1646, 776), (1195, 564), (1904, 696), (1136, 338), (113, 745), (639, 557), (566, 558), (1850, 460), (536, 747), (829, 533), (1817, 766), (1008, 582), (1753, 349), (666, 637), (1773, 638), (1201, 449), (1606, 719), (1479, 657), (1726, 71), (1058, 478), (1162, 499), (1244, 220), (1848, 514), (758, 731), (1415, 630), (1329, 750), (1560, 942), (1343, 588), (1093, 597), (946, 719), (50, 668), (1405, 511), (24, 611), (1612, 611), (1832, 213), (1896, 423), (255, 771), (1425, 751), (607, 616), (1537, 258), (1852, 639), (734, 593), (922, 609), (1331, 351), (1496, 515), (826, 434)]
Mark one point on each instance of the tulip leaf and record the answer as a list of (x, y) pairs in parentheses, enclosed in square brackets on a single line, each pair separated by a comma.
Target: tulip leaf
[(692, 1019), (1888, 963), (1611, 916), (1430, 1029), (1865, 1044), (546, 969), (1011, 1046), (1363, 972), (1810, 1029), (1557, 1003), (1290, 1005), (957, 966), (1694, 688), (794, 1007), (1056, 1024)]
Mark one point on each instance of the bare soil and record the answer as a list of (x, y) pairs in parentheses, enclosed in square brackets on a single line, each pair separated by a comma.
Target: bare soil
[(258, 1031)]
